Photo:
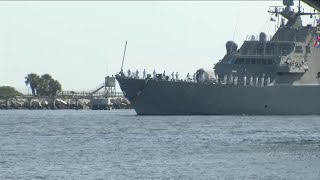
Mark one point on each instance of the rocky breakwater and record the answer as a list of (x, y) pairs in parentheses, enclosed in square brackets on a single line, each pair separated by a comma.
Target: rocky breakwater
[(58, 103), (110, 103)]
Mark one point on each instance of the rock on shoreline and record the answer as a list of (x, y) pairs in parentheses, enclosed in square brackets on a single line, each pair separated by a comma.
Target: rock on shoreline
[(59, 103)]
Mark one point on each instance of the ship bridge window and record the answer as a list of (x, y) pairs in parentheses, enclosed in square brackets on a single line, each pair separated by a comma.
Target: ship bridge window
[(269, 48), (286, 48), (298, 49), (269, 61), (264, 61), (253, 61), (258, 61), (259, 48), (308, 49), (239, 61), (300, 39)]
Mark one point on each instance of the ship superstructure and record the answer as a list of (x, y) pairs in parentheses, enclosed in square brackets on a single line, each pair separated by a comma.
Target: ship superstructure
[(289, 57)]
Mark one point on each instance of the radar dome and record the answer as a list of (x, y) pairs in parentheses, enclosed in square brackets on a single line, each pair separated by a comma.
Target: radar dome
[(231, 47)]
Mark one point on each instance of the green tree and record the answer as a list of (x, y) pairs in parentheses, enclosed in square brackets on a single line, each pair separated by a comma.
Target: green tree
[(44, 85), (32, 79), (54, 87), (7, 92)]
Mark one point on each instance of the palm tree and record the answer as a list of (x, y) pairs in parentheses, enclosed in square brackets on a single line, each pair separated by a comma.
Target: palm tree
[(32, 79), (46, 77), (54, 87), (45, 81), (44, 85)]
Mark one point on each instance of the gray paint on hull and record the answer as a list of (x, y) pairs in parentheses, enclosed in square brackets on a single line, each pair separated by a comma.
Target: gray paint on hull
[(185, 98)]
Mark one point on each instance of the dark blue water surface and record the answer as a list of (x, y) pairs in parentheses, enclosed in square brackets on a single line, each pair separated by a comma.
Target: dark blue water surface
[(117, 144)]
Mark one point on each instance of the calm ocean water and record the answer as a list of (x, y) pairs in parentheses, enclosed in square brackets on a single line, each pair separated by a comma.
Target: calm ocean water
[(117, 144)]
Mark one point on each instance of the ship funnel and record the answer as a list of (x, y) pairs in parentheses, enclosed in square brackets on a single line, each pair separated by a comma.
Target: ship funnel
[(262, 37), (231, 47)]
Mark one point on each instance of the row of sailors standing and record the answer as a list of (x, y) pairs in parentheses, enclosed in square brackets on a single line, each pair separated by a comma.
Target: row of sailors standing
[(234, 80), (136, 74), (133, 74), (174, 76)]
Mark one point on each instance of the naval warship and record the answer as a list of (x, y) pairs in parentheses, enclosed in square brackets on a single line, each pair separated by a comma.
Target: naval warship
[(279, 75)]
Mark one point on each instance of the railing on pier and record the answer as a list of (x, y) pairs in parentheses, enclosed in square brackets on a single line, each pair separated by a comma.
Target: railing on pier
[(98, 88)]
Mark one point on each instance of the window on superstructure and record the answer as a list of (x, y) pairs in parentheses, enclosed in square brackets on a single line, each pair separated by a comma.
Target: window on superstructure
[(269, 61), (298, 49), (247, 61), (258, 61), (308, 49), (269, 48), (300, 39), (253, 61), (260, 48), (285, 48), (239, 61)]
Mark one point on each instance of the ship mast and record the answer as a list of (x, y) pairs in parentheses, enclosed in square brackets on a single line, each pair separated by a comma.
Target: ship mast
[(293, 18), (124, 53)]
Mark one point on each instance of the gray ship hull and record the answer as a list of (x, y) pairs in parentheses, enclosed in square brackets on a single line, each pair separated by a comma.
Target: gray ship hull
[(151, 97)]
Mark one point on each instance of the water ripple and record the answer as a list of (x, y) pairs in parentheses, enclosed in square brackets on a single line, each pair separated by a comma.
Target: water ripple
[(71, 144)]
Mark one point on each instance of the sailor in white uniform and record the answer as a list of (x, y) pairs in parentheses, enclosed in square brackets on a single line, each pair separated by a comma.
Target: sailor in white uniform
[(129, 73), (225, 78), (235, 80), (154, 74), (251, 81), (144, 73), (268, 80), (137, 74)]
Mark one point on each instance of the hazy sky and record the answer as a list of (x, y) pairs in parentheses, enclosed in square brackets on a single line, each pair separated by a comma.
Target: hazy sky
[(81, 42)]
